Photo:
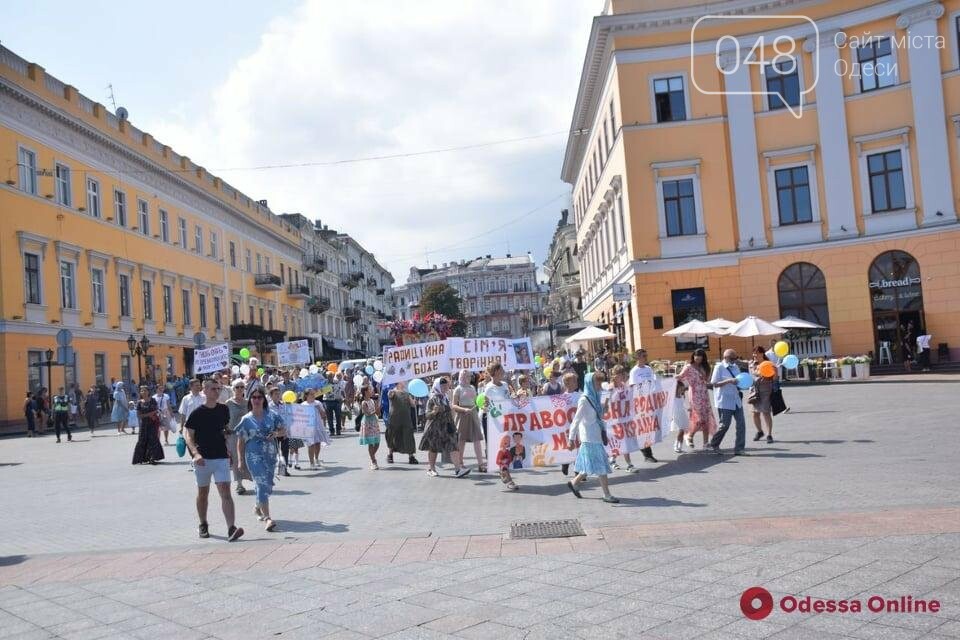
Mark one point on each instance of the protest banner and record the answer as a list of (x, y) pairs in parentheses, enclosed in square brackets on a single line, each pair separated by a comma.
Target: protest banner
[(301, 421), (520, 355), (534, 430), (211, 359), (415, 361), (293, 352)]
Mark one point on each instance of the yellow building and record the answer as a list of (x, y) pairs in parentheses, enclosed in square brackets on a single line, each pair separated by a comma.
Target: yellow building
[(719, 177), (108, 233)]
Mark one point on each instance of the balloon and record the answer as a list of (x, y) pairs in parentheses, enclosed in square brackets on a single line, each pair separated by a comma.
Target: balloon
[(313, 368), (304, 373), (244, 353), (332, 367), (369, 370), (547, 371), (378, 366), (418, 388), (260, 371), (378, 376), (481, 400), (357, 380), (245, 369), (766, 369), (235, 369), (791, 361), (538, 360), (289, 396), (781, 348), (324, 390), (745, 380)]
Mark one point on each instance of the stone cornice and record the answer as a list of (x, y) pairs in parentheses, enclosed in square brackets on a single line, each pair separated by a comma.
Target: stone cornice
[(931, 11)]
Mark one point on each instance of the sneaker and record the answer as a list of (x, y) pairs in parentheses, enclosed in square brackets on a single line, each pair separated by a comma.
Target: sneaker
[(573, 489), (631, 469), (650, 459), (769, 439), (413, 460), (204, 530), (432, 473), (690, 443), (713, 449), (58, 440), (462, 472), (241, 490), (677, 447), (758, 437), (258, 513), (740, 452), (234, 533), (614, 463), (297, 466), (610, 500), (565, 469)]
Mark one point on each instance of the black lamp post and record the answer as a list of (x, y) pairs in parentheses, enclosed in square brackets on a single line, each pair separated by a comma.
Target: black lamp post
[(49, 363), (139, 349)]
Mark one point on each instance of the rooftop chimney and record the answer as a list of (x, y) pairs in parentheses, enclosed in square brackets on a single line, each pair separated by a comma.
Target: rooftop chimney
[(263, 203), (508, 255)]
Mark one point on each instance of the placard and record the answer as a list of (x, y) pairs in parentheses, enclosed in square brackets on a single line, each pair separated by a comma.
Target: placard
[(293, 352), (211, 359), (415, 361), (301, 421)]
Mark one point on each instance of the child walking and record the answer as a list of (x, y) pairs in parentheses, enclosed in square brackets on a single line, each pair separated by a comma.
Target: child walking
[(133, 420), (589, 430), (681, 418), (370, 426)]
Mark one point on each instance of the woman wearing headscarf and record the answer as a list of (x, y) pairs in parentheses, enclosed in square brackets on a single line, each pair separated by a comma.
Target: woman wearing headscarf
[(466, 419), (439, 435), (588, 429), (399, 433), (148, 449), (121, 410)]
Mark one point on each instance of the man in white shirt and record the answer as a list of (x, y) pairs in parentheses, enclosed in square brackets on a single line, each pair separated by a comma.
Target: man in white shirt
[(189, 403), (640, 373), (729, 401), (923, 350), (772, 355)]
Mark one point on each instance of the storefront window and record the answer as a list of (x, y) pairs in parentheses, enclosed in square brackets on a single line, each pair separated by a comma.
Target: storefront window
[(802, 291), (689, 304), (896, 297)]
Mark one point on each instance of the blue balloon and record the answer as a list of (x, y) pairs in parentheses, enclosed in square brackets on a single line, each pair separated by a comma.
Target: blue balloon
[(744, 381), (418, 388), (369, 370), (791, 361)]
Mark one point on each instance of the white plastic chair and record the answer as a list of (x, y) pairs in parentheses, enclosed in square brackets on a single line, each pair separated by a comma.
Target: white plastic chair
[(885, 353)]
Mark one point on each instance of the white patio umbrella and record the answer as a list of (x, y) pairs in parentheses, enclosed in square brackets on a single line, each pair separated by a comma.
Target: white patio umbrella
[(693, 329), (589, 334), (793, 322), (723, 325), (752, 326)]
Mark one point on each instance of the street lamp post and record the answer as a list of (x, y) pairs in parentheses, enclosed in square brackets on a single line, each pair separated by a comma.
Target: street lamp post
[(49, 363), (139, 349)]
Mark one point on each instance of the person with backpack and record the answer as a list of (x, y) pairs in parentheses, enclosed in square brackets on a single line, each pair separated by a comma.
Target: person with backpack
[(61, 414)]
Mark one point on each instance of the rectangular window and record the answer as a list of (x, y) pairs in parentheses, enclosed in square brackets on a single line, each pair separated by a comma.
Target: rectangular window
[(669, 99), (623, 229), (170, 365), (147, 300), (202, 307), (246, 257), (887, 192), (679, 207), (164, 226), (259, 263), (31, 276), (68, 298), (216, 313), (185, 300), (99, 299), (144, 212), (783, 83), (125, 370), (213, 245), (877, 68), (197, 239), (233, 254), (27, 163), (261, 317), (35, 370), (270, 319), (250, 309), (235, 309), (120, 207), (793, 195), (167, 303), (99, 367), (613, 121), (182, 229), (689, 304), (266, 264), (283, 279), (62, 173), (124, 295), (93, 197)]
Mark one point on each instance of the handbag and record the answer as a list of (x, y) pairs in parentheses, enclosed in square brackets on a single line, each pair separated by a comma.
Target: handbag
[(777, 403), (753, 396), (181, 446)]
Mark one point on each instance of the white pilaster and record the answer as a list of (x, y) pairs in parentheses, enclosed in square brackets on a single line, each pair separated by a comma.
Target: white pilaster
[(834, 145), (926, 88), (743, 155)]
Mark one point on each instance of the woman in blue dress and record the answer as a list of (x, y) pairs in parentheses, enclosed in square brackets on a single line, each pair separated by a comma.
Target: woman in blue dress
[(257, 450), (120, 409), (589, 430)]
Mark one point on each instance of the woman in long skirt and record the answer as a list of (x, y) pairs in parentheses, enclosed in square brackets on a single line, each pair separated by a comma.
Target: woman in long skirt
[(399, 433), (589, 430), (440, 435), (467, 420), (370, 427), (320, 436), (696, 376), (257, 450), (120, 410), (148, 449)]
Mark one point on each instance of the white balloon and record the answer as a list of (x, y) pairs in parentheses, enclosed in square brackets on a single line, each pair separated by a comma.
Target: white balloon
[(378, 366), (235, 369), (357, 380), (313, 368), (245, 369), (378, 375), (304, 373)]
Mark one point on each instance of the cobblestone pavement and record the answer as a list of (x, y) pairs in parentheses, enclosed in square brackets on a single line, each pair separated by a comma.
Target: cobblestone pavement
[(848, 503)]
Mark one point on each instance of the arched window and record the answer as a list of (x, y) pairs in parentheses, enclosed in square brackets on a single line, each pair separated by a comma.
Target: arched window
[(802, 291)]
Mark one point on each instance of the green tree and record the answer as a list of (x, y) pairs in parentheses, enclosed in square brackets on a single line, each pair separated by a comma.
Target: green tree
[(441, 298)]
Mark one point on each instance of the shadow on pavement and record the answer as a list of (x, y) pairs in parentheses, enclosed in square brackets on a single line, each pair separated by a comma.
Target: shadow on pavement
[(824, 441), (10, 464), (294, 526), (281, 492), (9, 561), (657, 502), (328, 472)]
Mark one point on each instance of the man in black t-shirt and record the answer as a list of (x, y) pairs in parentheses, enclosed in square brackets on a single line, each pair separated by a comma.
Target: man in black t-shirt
[(207, 444)]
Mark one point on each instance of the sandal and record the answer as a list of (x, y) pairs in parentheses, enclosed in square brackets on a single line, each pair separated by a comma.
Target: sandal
[(574, 489), (482, 468), (258, 513), (512, 486), (271, 525)]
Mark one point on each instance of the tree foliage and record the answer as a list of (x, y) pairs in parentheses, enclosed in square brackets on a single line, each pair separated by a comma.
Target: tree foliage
[(441, 298)]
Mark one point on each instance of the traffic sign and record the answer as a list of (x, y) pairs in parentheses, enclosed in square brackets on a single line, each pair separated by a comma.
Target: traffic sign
[(64, 337), (66, 355), (199, 339), (622, 292)]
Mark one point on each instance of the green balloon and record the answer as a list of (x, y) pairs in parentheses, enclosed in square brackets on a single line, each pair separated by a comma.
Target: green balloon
[(481, 400), (244, 353), (260, 371)]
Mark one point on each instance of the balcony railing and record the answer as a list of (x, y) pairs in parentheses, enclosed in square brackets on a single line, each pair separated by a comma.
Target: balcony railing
[(315, 263), (371, 282), (267, 281), (318, 304), (351, 315), (300, 291), (245, 332), (347, 281), (357, 276), (381, 292)]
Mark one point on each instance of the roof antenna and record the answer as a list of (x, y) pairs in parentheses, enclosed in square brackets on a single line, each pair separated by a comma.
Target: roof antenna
[(112, 99)]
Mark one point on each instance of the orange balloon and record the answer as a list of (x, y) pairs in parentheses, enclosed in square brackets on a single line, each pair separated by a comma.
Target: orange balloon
[(332, 367), (766, 369)]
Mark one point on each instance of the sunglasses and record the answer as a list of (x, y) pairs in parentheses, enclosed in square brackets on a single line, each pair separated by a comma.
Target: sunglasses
[(258, 395)]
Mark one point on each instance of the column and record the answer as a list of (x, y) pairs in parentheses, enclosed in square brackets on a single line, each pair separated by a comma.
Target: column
[(929, 117), (834, 146), (743, 155)]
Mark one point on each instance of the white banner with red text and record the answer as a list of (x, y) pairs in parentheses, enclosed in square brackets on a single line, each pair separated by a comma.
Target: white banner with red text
[(425, 359)]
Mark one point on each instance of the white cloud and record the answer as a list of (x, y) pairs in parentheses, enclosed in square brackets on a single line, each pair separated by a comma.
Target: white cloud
[(335, 80)]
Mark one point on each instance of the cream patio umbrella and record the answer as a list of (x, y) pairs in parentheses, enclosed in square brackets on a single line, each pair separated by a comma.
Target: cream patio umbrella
[(752, 326), (793, 322), (693, 329), (721, 324)]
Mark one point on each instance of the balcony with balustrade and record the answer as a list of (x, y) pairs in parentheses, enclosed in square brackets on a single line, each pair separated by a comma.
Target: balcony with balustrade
[(267, 282), (298, 291)]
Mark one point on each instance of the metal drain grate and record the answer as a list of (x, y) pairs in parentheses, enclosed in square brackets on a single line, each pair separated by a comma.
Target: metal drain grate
[(546, 529)]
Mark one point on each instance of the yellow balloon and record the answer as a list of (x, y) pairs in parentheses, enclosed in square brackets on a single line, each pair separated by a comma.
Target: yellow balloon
[(782, 348), (289, 396), (547, 371)]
